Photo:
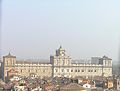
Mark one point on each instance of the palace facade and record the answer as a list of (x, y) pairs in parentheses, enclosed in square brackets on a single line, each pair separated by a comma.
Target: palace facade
[(60, 65)]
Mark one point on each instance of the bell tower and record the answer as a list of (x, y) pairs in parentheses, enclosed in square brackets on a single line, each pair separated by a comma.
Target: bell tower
[(9, 62), (61, 60)]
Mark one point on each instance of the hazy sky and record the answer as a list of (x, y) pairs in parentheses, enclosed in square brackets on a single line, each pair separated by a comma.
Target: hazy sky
[(85, 28)]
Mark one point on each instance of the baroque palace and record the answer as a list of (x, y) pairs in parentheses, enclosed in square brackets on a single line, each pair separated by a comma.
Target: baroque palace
[(60, 65)]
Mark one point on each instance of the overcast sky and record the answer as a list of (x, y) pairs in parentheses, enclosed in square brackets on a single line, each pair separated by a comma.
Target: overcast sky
[(85, 28)]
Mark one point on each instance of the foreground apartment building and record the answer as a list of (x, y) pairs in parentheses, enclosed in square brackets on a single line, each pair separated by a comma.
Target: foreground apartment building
[(60, 65)]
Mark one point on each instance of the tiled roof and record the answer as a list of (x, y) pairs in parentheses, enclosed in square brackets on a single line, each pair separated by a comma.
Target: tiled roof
[(73, 86)]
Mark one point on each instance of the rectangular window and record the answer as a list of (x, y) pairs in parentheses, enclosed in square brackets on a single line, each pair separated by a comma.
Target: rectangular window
[(28, 70), (56, 70), (43, 70), (82, 70), (62, 70), (88, 70)]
